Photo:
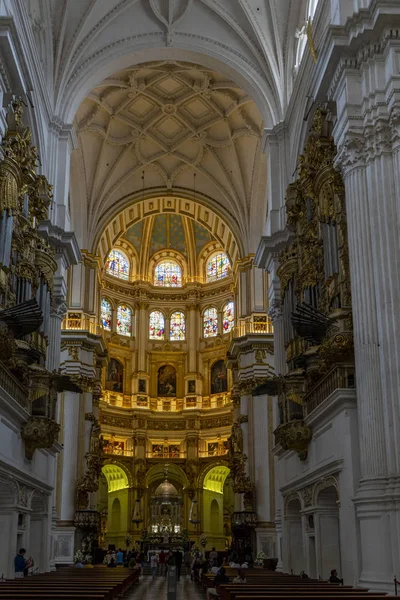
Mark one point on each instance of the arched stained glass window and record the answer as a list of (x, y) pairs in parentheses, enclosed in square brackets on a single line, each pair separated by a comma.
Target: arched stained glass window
[(228, 317), (218, 267), (177, 328), (106, 314), (210, 322), (117, 264), (156, 325), (124, 320), (168, 274)]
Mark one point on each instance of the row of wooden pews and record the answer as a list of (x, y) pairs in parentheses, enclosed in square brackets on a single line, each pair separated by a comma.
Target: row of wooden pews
[(263, 585), (98, 583)]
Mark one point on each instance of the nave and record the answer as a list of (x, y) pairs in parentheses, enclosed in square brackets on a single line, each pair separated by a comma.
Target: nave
[(148, 589)]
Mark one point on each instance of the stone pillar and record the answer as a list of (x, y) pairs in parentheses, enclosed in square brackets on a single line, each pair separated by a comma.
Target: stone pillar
[(142, 328), (58, 310), (69, 456)]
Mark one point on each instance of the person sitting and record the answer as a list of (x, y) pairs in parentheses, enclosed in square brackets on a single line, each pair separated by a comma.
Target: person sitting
[(78, 565), (240, 578), (218, 579), (245, 566), (88, 564), (303, 575), (334, 577), (234, 565), (112, 564), (120, 558), (215, 568)]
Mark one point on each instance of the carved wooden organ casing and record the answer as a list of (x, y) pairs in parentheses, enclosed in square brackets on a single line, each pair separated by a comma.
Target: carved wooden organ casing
[(314, 277)]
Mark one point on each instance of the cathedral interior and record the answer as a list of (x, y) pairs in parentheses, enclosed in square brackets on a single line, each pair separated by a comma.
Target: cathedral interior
[(199, 290)]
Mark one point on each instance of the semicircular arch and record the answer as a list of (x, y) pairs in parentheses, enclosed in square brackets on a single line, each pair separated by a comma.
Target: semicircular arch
[(127, 212), (117, 475)]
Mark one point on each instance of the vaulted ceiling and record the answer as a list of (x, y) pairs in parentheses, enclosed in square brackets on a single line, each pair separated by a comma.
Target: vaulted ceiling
[(170, 126)]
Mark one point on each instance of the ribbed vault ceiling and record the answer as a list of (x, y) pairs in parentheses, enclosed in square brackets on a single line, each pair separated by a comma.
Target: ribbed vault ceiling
[(182, 125)]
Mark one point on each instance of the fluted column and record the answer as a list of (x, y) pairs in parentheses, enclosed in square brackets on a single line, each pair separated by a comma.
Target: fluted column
[(69, 456), (361, 225), (57, 312)]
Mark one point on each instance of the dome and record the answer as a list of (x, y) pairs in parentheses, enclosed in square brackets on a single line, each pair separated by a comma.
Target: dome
[(166, 490)]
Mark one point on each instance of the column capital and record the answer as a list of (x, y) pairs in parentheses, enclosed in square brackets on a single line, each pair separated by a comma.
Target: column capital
[(351, 154), (58, 307)]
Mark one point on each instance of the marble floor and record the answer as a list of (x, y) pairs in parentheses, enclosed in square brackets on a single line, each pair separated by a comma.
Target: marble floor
[(148, 589)]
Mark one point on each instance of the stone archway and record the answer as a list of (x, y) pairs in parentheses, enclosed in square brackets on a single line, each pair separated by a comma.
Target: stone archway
[(327, 531), (294, 535)]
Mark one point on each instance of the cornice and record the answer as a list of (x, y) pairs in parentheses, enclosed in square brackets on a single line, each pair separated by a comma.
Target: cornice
[(270, 247)]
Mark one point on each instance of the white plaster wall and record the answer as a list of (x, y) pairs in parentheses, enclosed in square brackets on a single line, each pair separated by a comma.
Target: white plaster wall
[(332, 451)]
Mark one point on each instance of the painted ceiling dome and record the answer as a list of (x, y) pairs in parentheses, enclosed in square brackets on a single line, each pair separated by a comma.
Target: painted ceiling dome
[(166, 490), (168, 232)]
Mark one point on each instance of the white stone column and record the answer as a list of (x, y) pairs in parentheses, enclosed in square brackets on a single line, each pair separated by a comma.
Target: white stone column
[(69, 456), (58, 310), (192, 337)]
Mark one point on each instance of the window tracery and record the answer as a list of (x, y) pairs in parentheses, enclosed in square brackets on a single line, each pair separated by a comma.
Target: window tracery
[(117, 264), (177, 329), (168, 274), (210, 322), (218, 267), (124, 320), (228, 317), (156, 325), (106, 314)]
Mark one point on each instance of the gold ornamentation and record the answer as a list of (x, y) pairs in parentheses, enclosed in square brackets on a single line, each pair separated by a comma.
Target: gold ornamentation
[(294, 435), (39, 432), (73, 352)]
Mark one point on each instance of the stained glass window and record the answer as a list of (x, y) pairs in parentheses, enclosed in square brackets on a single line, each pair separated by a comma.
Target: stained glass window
[(177, 329), (156, 325), (168, 274), (218, 267), (228, 317), (210, 322), (106, 314), (124, 320), (117, 264)]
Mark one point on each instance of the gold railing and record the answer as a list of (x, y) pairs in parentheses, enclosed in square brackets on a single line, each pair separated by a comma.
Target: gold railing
[(340, 376), (117, 451), (252, 327), (13, 388), (166, 454), (79, 321), (219, 452)]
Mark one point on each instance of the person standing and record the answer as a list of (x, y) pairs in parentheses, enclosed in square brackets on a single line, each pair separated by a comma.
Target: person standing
[(20, 564), (154, 565), (162, 562), (120, 558), (213, 555), (188, 561), (178, 562)]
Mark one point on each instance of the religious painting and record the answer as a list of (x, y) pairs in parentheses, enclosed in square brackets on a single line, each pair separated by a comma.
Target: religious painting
[(157, 449), (115, 376), (191, 386), (167, 381), (142, 386), (114, 447), (212, 448), (174, 451), (219, 378)]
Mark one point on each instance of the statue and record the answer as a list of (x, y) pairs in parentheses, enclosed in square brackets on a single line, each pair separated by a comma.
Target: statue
[(237, 439)]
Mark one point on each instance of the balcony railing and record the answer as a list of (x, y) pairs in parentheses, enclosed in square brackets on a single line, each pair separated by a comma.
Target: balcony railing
[(340, 376), (166, 454), (79, 321), (252, 327), (219, 452), (117, 451), (13, 388)]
